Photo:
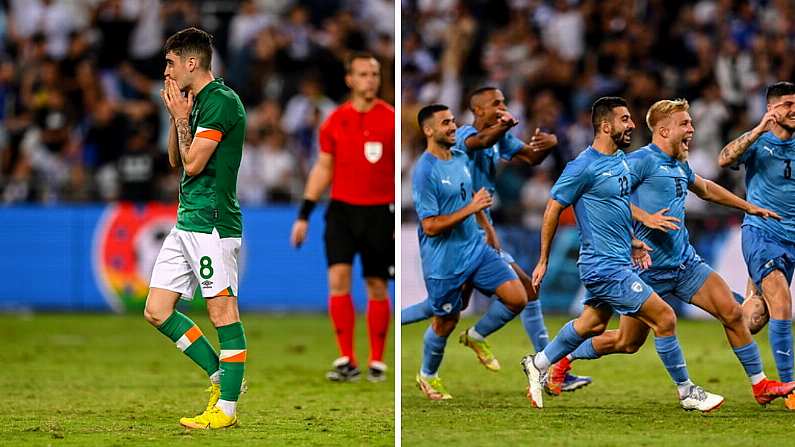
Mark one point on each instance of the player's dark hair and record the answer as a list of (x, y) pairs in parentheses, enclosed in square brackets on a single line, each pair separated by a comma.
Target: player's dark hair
[(428, 111), (191, 42), (602, 109), (355, 56), (780, 89), (478, 92)]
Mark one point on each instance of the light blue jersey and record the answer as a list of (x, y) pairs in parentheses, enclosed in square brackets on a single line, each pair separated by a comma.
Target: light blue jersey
[(661, 181), (598, 186), (770, 183), (483, 162), (442, 187)]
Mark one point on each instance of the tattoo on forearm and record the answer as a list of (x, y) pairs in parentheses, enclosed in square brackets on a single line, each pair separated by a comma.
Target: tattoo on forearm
[(732, 151), (184, 137)]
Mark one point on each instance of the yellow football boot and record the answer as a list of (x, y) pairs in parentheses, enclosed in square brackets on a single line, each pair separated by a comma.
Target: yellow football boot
[(212, 418)]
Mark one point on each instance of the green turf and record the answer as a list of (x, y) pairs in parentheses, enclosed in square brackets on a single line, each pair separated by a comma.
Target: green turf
[(114, 380), (631, 402)]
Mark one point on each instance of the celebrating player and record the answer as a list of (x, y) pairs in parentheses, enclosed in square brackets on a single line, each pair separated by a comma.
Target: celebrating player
[(597, 184), (357, 157), (660, 177), (767, 151), (487, 141), (206, 140), (452, 247)]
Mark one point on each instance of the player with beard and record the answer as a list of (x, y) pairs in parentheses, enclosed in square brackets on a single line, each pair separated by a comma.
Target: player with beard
[(597, 184), (487, 141), (452, 247), (661, 177), (768, 151)]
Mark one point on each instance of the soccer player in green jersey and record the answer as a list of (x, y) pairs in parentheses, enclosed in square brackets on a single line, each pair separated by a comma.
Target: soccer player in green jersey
[(202, 250)]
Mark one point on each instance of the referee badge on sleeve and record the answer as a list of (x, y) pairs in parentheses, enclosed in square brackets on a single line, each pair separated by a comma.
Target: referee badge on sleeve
[(373, 150)]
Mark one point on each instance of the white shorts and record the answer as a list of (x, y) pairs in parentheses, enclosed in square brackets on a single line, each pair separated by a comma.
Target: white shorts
[(188, 260)]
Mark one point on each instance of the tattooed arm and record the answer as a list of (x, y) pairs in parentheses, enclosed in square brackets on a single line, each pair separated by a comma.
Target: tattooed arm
[(173, 145), (194, 153), (734, 150)]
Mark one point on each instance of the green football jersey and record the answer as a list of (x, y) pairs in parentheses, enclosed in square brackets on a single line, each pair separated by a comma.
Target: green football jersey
[(209, 200)]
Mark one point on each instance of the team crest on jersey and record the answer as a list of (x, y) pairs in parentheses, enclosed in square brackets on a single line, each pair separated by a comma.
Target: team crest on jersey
[(373, 150)]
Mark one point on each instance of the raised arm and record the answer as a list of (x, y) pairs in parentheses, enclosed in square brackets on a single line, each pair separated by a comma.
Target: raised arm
[(548, 229), (735, 149), (173, 145), (713, 192), (488, 136), (436, 225), (536, 151)]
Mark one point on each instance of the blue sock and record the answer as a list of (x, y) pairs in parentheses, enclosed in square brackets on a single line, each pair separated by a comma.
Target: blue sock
[(749, 357), (416, 312), (671, 355), (564, 343), (495, 317), (533, 322), (432, 353), (585, 351), (780, 334)]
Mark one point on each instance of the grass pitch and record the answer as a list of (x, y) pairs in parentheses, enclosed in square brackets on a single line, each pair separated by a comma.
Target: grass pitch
[(631, 402), (110, 380)]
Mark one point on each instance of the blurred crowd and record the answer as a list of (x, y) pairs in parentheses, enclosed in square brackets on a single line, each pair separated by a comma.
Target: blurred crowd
[(80, 113), (552, 58)]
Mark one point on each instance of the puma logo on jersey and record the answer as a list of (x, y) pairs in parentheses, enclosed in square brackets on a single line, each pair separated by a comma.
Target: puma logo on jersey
[(608, 173), (769, 150), (664, 168), (787, 353), (446, 181)]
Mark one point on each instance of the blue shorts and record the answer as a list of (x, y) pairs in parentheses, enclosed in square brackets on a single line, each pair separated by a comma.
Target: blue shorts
[(624, 291), (763, 253), (680, 283), (488, 273), (506, 257)]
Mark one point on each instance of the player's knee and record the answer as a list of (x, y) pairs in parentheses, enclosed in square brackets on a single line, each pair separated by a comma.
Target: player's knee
[(628, 346), (597, 329), (666, 324), (154, 317), (376, 288), (513, 296), (444, 326), (733, 316)]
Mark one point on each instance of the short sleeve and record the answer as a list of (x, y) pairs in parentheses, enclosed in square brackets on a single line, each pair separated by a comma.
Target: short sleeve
[(746, 156), (326, 136), (217, 117), (461, 135), (639, 167), (691, 176), (510, 146), (424, 191), (572, 183)]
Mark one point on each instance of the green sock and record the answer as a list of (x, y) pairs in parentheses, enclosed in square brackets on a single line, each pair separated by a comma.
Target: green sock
[(233, 359), (190, 340)]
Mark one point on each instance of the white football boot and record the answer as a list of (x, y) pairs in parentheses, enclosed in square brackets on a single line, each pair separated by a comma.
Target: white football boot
[(535, 381), (698, 399)]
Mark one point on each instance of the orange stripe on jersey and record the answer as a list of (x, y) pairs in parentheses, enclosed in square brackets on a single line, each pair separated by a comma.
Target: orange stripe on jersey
[(193, 333), (210, 134), (237, 358)]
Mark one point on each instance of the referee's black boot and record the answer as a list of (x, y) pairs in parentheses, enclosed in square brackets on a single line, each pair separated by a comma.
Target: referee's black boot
[(343, 371)]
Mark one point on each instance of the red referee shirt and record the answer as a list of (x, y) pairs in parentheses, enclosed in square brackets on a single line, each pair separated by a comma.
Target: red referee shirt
[(363, 146)]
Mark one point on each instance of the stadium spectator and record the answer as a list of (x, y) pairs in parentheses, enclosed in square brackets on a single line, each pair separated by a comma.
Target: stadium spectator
[(80, 80), (725, 53)]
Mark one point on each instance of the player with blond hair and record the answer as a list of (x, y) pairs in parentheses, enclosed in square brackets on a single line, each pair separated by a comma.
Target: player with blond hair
[(661, 177)]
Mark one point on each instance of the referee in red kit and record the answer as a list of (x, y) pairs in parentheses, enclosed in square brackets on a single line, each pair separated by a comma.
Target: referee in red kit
[(357, 157)]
